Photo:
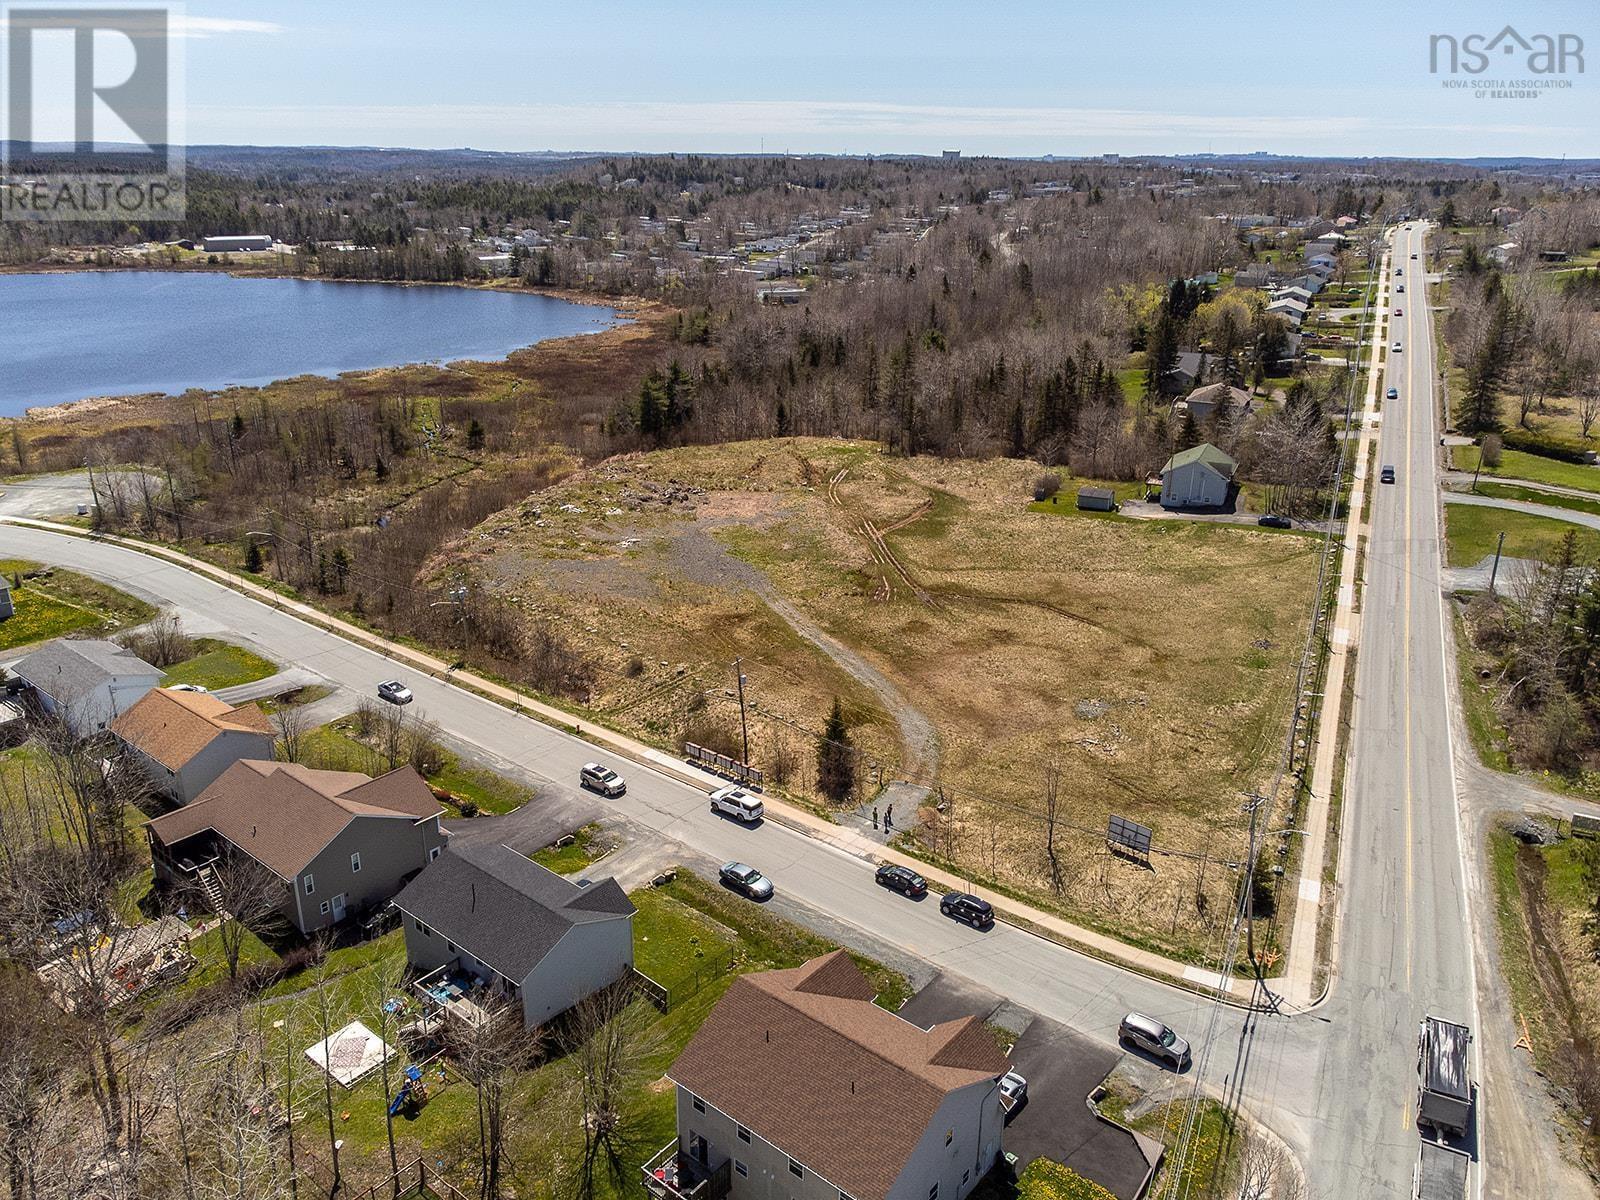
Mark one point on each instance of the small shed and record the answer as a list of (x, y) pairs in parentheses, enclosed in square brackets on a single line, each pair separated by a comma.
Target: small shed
[(1094, 499), (8, 609)]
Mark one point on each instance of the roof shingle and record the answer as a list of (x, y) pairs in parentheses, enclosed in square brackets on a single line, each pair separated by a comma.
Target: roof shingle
[(172, 727), (860, 1084)]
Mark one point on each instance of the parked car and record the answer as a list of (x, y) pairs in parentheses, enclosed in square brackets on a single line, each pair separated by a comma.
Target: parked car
[(745, 879), (394, 692), (902, 879), (1392, 394), (601, 779), (1386, 475), (1153, 1037), (735, 802), (963, 906), (1274, 521), (1013, 1090), (188, 687)]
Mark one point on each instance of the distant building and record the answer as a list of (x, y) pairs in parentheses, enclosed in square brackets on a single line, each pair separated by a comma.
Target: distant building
[(1203, 402), (1093, 499), (236, 243), (495, 264), (952, 156)]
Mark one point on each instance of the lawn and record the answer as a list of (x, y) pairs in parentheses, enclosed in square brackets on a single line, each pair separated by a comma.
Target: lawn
[(1473, 532), (587, 847), (219, 664), (1510, 491), (335, 747), (1516, 464), (62, 603)]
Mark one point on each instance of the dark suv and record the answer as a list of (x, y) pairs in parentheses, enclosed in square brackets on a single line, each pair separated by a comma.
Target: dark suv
[(902, 879), (966, 907)]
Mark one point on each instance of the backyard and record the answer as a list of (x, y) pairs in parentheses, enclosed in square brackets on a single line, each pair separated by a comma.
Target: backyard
[(52, 603)]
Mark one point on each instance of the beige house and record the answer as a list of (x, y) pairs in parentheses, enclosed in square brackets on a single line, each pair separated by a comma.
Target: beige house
[(799, 1087), (184, 740), (341, 843), (1203, 402)]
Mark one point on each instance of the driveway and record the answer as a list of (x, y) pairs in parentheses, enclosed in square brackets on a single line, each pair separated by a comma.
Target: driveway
[(46, 495), (1571, 515), (1062, 1067)]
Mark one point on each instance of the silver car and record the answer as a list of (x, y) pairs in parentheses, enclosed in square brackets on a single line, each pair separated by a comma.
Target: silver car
[(742, 877), (1153, 1037)]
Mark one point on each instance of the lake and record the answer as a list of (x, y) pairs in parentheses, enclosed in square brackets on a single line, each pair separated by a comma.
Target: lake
[(74, 334)]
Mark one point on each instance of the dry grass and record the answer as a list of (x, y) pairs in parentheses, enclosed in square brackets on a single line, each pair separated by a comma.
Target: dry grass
[(1152, 660)]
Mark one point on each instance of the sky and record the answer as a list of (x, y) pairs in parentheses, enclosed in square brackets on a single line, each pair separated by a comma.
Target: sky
[(1006, 77)]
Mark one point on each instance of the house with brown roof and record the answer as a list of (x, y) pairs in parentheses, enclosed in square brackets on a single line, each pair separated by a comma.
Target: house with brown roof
[(797, 1086), (342, 843), (184, 740)]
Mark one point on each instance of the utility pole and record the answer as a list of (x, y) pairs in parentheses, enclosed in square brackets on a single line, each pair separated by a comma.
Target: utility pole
[(1254, 807), (1495, 570), (744, 724)]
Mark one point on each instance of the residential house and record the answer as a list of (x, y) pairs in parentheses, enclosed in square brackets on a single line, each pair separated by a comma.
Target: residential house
[(184, 740), (1200, 477), (797, 1086), (86, 682), (1345, 223), (1323, 260), (1289, 308), (1254, 275), (1190, 371), (1311, 283), (8, 607), (341, 843), (1505, 214), (1294, 291), (486, 917), (1503, 253), (1203, 402)]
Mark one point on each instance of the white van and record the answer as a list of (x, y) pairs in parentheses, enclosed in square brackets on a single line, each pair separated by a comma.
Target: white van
[(733, 801)]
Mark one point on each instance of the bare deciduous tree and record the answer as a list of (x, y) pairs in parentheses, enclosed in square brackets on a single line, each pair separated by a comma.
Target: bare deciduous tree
[(293, 726)]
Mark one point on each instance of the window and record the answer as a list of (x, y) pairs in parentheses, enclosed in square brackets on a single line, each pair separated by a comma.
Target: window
[(933, 1192), (844, 1196), (311, 884), (421, 928), (699, 1104), (949, 1136), (740, 1168), (355, 863), (741, 1133), (449, 947), (965, 1175), (324, 908), (796, 1169), (433, 854)]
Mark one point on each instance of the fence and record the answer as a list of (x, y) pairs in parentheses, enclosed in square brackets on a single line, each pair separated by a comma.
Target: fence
[(732, 768), (415, 1180)]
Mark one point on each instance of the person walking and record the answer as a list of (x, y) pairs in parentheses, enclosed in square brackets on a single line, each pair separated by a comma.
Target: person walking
[(888, 819), (874, 816)]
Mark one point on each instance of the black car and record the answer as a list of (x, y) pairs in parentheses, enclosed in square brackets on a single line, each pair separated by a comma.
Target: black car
[(1386, 475), (966, 907), (902, 879), (1273, 521)]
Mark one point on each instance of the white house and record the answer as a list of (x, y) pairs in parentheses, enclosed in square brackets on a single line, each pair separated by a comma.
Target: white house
[(1289, 308), (496, 920), (87, 682), (1199, 477)]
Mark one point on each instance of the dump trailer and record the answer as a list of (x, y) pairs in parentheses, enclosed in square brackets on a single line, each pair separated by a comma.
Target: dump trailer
[(1441, 1173), (1444, 1092)]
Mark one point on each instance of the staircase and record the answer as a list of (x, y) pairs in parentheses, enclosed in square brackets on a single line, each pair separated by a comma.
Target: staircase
[(210, 888)]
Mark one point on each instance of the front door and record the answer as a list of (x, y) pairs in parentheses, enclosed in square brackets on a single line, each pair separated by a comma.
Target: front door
[(338, 908)]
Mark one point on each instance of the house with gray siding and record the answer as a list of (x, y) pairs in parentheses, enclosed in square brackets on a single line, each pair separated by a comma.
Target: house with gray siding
[(340, 843), (87, 682), (485, 919), (1199, 477), (184, 740), (798, 1087)]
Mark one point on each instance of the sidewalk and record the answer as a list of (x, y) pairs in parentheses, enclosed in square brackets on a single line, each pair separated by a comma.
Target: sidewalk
[(1299, 982), (859, 844)]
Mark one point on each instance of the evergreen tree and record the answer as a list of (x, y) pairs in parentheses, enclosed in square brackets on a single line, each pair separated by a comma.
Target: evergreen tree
[(253, 557), (1480, 404), (836, 761)]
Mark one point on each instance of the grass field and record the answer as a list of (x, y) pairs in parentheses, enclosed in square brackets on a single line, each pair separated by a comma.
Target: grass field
[(220, 664), (1152, 661), (63, 602), (586, 848), (1514, 464), (1510, 491), (1473, 532)]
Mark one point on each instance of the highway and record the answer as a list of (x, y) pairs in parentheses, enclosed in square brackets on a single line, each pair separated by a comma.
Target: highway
[(1338, 1083)]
